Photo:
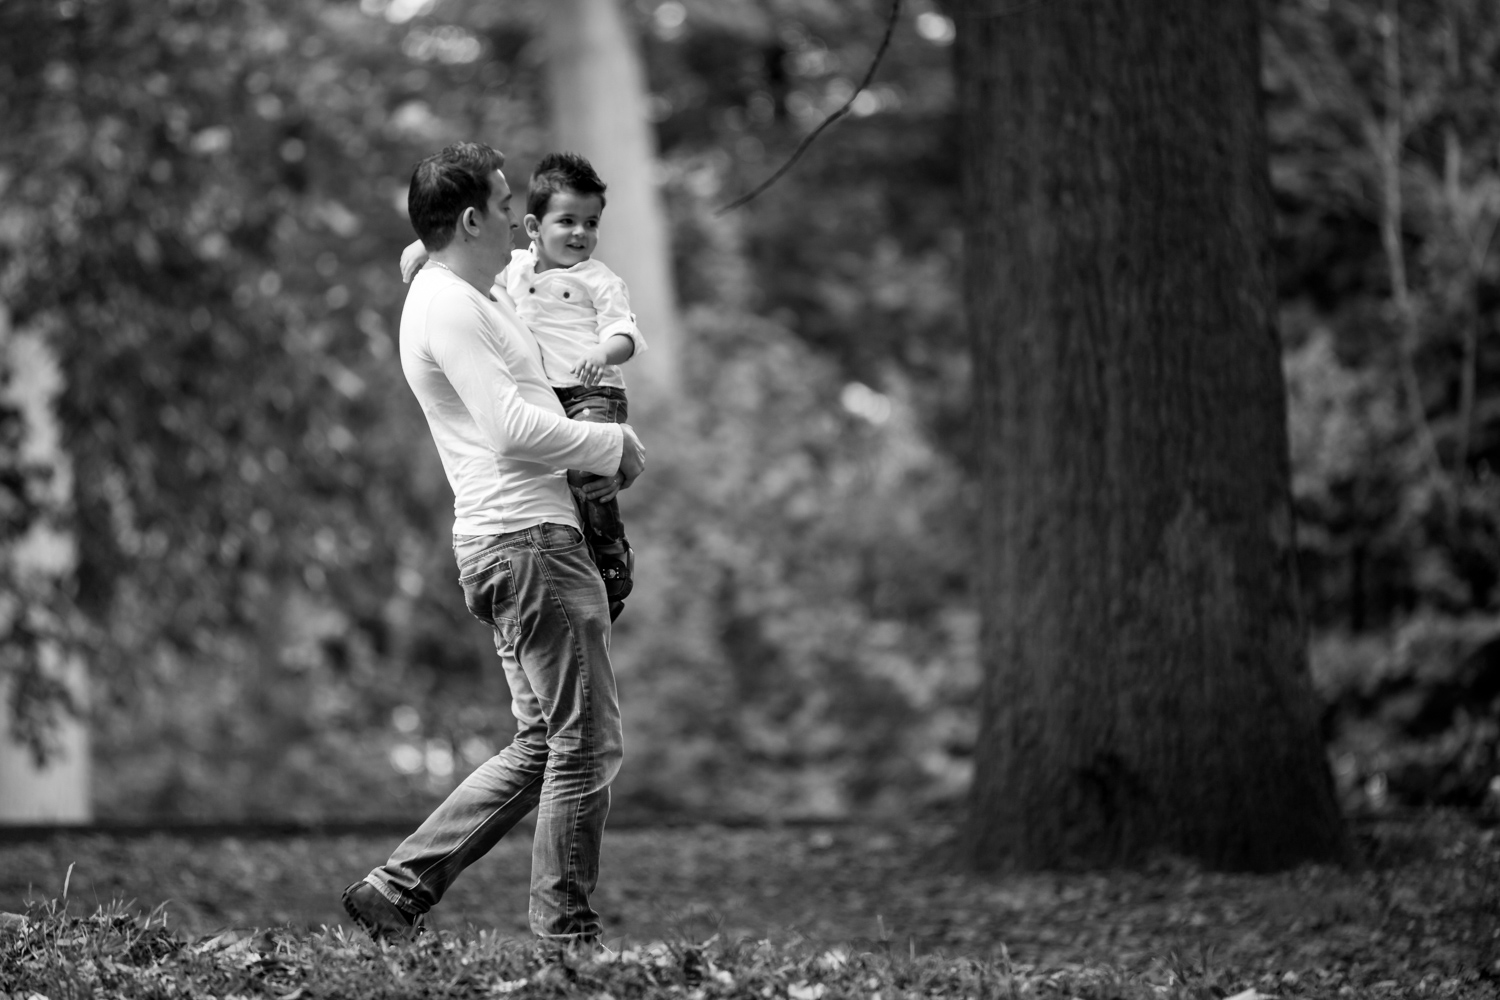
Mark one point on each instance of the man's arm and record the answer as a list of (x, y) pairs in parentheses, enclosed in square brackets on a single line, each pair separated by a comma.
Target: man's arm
[(466, 346), (602, 489)]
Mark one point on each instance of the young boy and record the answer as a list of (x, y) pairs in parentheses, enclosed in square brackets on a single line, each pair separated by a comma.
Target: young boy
[(579, 311)]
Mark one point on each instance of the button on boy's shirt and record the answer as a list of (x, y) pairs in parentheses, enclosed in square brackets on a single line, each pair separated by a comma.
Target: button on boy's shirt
[(499, 429), (569, 311)]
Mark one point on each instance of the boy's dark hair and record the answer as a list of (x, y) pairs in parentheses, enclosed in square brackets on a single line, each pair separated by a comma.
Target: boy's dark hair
[(561, 172), (445, 184)]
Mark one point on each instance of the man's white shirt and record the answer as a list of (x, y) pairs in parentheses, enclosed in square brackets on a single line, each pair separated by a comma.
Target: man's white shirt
[(503, 438), (569, 310)]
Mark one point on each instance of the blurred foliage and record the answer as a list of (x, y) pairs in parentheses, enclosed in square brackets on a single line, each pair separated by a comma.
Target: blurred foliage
[(1386, 164), (203, 202), (202, 206), (200, 202)]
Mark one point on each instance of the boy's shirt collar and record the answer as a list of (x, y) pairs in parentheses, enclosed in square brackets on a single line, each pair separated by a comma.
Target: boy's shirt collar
[(528, 258)]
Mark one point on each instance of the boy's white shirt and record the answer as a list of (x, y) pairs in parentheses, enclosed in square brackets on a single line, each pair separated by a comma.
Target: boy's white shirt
[(504, 440), (569, 311)]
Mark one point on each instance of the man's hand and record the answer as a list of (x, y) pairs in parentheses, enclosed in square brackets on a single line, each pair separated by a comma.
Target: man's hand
[(589, 369), (412, 259), (602, 489), (632, 458)]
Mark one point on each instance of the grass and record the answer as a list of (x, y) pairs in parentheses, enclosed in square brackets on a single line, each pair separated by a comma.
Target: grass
[(116, 953), (779, 914)]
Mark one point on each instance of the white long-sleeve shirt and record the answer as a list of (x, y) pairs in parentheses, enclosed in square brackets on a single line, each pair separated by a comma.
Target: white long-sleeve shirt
[(503, 438), (571, 309)]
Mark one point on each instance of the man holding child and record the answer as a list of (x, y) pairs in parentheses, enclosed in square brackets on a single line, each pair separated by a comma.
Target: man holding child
[(506, 446)]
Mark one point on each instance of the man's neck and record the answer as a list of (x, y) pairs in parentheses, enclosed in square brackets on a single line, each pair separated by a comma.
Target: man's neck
[(472, 269)]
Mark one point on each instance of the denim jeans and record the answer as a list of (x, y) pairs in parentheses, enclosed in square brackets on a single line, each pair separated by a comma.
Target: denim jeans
[(599, 404), (540, 592)]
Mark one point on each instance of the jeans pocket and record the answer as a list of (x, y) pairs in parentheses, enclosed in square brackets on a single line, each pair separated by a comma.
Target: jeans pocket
[(559, 538), (489, 590)]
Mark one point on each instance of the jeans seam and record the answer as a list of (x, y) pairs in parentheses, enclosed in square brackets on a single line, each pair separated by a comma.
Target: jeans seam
[(586, 709), (476, 831), (504, 540)]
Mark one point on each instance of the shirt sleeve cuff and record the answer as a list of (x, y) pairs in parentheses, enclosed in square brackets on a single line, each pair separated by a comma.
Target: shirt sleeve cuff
[(611, 453), (627, 329)]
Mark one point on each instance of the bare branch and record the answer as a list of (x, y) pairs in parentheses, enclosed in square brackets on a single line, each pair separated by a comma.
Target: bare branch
[(885, 43)]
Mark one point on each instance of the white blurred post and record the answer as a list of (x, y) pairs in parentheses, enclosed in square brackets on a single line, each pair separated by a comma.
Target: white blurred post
[(41, 558), (599, 109), (58, 791)]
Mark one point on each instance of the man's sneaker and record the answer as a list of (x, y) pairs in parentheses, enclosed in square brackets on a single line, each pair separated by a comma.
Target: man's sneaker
[(378, 916)]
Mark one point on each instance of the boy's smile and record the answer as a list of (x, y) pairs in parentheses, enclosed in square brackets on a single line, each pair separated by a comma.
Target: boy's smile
[(568, 232)]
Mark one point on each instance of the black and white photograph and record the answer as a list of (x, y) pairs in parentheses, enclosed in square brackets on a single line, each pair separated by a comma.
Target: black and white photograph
[(749, 499)]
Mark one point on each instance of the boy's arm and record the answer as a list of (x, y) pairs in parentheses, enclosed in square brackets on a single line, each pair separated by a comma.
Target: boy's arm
[(617, 350), (619, 337), (412, 259)]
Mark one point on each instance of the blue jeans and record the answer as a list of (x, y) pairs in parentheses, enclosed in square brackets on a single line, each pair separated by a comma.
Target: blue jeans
[(598, 404), (540, 592)]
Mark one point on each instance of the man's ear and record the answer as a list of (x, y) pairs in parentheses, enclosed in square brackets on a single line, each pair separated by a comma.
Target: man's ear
[(532, 225), (468, 221)]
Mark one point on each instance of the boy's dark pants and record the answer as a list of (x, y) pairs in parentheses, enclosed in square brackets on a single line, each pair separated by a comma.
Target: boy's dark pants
[(602, 527)]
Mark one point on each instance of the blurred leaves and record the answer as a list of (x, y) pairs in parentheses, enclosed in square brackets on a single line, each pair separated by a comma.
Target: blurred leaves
[(237, 512), (1383, 116), (199, 208), (203, 203)]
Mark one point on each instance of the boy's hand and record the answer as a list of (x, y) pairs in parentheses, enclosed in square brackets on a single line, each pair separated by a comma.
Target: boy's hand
[(590, 368), (601, 489), (412, 259)]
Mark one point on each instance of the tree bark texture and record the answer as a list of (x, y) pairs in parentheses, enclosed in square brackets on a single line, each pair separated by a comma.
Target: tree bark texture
[(1146, 688)]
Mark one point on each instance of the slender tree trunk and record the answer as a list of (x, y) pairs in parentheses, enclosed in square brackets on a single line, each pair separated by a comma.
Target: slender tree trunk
[(58, 789), (1146, 686), (599, 109), (37, 560), (1387, 138)]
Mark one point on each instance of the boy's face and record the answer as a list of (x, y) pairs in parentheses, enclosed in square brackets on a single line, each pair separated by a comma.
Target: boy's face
[(569, 231)]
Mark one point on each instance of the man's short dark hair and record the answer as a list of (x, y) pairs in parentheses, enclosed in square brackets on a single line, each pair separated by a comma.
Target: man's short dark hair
[(445, 184), (561, 172)]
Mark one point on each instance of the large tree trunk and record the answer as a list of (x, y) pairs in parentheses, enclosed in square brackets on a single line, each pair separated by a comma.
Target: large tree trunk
[(1146, 686), (599, 109)]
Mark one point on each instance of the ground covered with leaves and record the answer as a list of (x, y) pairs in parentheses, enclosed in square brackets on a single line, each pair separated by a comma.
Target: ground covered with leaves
[(795, 913)]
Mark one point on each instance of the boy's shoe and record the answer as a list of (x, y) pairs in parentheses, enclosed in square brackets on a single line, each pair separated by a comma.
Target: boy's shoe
[(616, 562), (615, 607), (379, 917)]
